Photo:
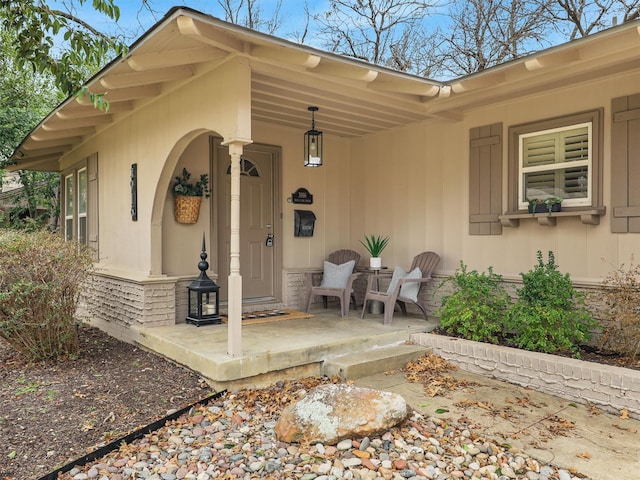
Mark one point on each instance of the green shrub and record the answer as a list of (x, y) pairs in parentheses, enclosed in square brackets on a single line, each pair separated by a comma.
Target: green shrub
[(40, 280), (549, 314), (620, 316), (476, 309)]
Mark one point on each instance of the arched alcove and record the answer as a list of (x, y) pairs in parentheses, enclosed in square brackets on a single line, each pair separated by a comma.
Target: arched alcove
[(175, 246)]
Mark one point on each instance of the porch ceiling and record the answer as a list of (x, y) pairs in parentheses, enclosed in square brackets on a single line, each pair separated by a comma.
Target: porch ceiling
[(355, 98)]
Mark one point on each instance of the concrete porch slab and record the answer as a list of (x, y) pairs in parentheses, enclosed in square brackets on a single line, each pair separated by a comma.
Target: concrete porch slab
[(278, 350)]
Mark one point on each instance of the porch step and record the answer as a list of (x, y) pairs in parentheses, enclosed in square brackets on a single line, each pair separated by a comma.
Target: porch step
[(371, 362)]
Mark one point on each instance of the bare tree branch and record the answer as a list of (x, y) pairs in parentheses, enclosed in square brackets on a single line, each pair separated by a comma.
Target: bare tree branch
[(248, 14), (377, 31), (484, 33)]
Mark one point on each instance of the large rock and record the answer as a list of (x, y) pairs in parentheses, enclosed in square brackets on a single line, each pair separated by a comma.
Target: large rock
[(333, 412)]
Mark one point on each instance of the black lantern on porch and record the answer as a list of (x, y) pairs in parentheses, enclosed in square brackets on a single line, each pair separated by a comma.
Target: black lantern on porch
[(204, 302), (313, 143)]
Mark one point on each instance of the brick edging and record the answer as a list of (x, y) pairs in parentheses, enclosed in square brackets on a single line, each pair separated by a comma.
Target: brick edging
[(610, 388)]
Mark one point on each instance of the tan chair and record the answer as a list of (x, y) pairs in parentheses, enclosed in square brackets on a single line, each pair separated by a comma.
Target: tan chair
[(404, 287), (336, 282)]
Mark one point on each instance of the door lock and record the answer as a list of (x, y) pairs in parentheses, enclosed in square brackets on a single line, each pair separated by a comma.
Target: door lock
[(269, 241)]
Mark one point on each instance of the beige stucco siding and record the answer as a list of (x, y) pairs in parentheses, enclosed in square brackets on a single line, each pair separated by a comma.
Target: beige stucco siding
[(398, 191), (154, 137), (411, 183), (416, 190), (330, 186)]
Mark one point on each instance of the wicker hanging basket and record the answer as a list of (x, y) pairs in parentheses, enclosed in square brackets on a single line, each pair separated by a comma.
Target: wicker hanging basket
[(187, 208)]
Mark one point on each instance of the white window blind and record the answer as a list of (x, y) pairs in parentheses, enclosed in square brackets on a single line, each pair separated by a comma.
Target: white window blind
[(556, 163)]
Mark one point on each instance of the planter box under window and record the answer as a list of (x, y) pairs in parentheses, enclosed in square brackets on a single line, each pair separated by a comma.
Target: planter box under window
[(542, 208)]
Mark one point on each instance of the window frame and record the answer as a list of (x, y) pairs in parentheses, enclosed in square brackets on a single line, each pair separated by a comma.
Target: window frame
[(556, 166), (73, 174), (517, 132), (82, 235), (69, 205)]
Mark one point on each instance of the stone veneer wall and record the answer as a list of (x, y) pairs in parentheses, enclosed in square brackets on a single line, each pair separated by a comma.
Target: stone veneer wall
[(295, 292), (127, 303), (611, 388)]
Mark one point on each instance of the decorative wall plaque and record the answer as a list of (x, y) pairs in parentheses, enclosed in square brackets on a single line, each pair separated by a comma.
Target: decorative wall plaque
[(302, 195), (133, 183)]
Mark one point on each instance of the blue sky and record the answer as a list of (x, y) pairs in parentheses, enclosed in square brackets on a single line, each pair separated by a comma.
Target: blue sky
[(134, 21)]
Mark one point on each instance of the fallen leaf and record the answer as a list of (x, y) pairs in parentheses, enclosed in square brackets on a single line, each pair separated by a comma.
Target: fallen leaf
[(87, 426), (624, 414), (593, 410), (585, 455)]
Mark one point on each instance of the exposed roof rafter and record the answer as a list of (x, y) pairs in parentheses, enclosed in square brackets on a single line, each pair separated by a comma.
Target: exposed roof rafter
[(145, 77), (356, 98)]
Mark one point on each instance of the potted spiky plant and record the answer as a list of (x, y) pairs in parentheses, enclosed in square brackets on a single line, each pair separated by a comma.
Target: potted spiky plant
[(375, 244)]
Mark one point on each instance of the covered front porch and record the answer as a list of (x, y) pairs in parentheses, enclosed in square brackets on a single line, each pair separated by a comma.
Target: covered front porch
[(324, 344)]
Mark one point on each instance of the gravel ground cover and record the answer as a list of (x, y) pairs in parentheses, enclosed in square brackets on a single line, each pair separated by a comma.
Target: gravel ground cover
[(233, 438), (56, 413)]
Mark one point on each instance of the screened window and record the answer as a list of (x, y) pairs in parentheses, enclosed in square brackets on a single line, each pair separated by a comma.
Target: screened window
[(556, 163)]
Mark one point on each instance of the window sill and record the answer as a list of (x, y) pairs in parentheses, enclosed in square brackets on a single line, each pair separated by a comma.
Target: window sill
[(589, 216)]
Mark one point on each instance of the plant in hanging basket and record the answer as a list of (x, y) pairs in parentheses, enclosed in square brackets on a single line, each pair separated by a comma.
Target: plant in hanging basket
[(183, 185), (188, 196)]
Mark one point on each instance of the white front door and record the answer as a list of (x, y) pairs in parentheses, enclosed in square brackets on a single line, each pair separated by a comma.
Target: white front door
[(259, 240)]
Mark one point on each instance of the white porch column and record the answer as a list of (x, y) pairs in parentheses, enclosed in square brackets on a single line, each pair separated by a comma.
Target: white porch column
[(234, 336)]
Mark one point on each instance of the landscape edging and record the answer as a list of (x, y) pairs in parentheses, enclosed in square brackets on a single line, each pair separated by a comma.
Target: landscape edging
[(609, 387)]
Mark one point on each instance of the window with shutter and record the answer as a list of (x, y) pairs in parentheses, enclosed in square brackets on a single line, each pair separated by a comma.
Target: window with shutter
[(485, 180), (556, 163), (557, 157)]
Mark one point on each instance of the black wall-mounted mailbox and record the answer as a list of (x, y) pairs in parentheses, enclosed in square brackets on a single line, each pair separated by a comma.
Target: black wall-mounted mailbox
[(304, 222)]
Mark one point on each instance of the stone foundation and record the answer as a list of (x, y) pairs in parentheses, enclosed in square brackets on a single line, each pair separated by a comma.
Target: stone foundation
[(295, 293), (126, 302)]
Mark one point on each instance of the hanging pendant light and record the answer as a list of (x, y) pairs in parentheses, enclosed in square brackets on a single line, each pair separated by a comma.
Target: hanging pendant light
[(313, 143)]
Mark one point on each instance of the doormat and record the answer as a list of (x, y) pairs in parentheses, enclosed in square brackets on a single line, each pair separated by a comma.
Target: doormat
[(266, 316)]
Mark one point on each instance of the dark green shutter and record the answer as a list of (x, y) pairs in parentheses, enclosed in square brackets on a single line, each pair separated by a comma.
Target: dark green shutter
[(485, 180)]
